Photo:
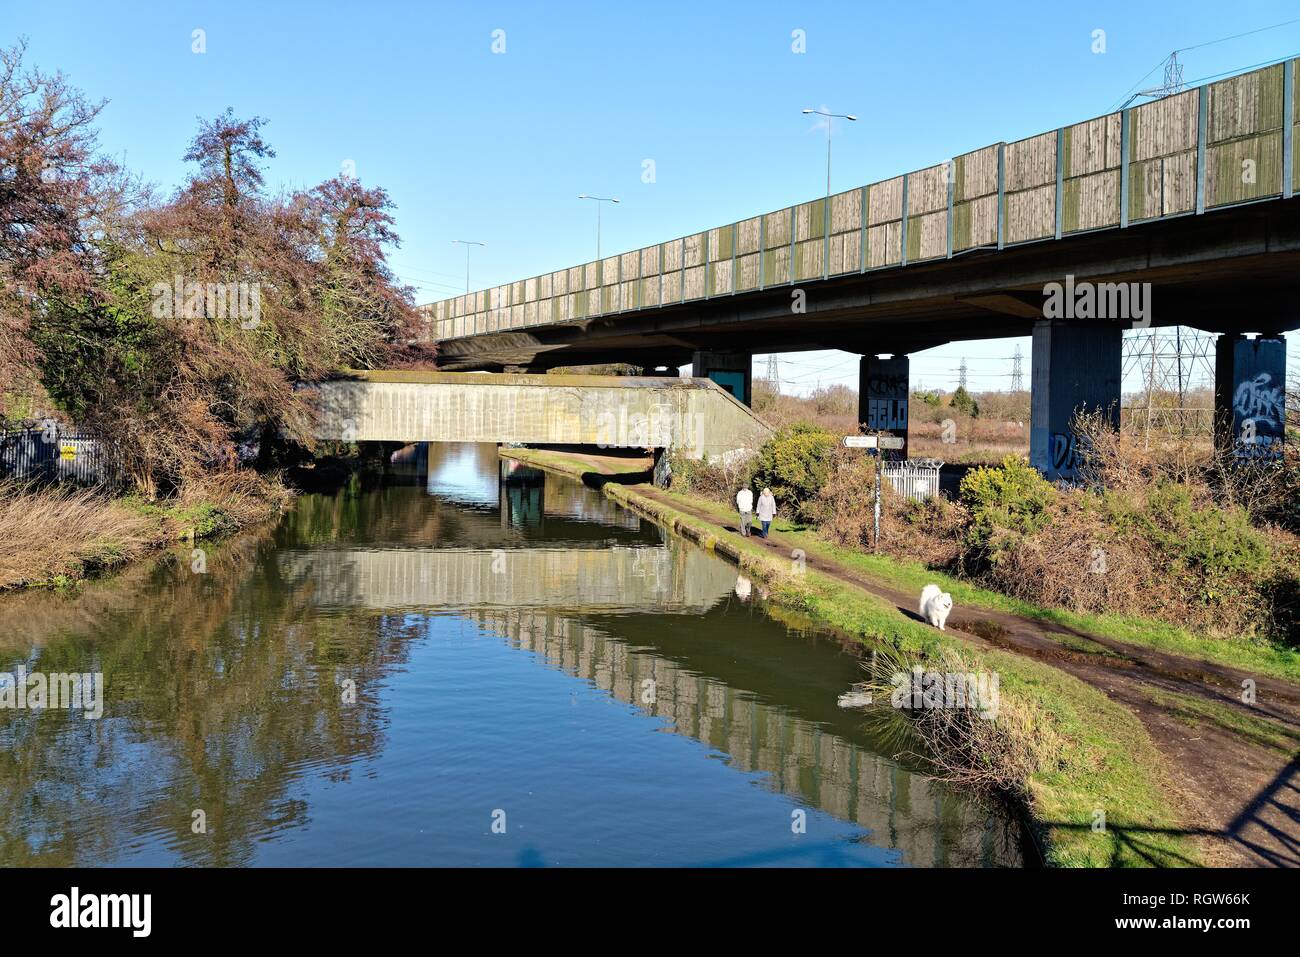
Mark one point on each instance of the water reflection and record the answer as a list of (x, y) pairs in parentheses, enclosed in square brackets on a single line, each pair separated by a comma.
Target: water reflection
[(226, 693)]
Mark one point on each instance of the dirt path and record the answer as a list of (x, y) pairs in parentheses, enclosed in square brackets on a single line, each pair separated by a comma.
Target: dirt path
[(1240, 796)]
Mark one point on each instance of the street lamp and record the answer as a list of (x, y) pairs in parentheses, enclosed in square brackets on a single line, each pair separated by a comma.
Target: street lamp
[(831, 116), (466, 243), (599, 200)]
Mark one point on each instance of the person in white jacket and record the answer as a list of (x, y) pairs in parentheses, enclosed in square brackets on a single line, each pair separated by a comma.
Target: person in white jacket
[(766, 510), (745, 504)]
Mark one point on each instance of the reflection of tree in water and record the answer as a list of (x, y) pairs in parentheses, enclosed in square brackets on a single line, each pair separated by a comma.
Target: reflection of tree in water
[(219, 691)]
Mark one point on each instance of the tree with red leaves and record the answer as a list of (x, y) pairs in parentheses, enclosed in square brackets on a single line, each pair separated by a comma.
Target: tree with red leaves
[(51, 188)]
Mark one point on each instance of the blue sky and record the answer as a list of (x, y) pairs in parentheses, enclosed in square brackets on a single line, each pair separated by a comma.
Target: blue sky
[(495, 147)]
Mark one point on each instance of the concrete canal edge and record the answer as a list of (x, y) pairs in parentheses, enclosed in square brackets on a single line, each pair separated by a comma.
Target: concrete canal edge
[(1108, 769)]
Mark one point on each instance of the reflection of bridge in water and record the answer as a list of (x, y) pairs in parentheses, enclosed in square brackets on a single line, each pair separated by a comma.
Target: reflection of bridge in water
[(672, 579), (823, 763), (527, 500)]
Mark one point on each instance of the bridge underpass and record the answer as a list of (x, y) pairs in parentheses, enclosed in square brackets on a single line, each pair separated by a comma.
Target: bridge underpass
[(1191, 193)]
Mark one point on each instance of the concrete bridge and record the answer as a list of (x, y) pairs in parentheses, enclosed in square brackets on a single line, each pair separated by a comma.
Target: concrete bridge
[(693, 416), (1191, 193)]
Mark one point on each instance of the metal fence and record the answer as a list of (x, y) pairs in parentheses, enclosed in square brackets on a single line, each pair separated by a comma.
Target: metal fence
[(915, 478), (53, 456)]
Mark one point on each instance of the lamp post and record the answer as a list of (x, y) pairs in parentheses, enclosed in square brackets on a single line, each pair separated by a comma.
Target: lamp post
[(466, 243), (831, 116), (599, 200), (826, 211)]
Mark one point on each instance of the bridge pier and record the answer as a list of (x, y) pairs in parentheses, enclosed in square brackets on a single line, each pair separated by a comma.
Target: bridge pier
[(731, 370), (883, 390), (1250, 396), (1076, 368)]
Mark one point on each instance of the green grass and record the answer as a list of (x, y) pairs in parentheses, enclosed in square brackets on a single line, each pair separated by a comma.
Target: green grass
[(199, 520), (1266, 659), (1106, 761)]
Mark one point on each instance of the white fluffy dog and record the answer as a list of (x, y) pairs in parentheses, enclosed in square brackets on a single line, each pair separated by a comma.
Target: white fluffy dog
[(935, 605)]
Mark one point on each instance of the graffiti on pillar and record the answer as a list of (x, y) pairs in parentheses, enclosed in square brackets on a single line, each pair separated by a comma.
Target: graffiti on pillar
[(886, 415), (1066, 453), (886, 407), (1259, 414)]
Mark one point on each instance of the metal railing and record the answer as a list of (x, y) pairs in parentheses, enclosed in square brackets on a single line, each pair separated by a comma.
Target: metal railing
[(917, 479), (47, 454)]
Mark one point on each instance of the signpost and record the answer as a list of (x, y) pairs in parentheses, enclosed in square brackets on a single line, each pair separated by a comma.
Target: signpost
[(875, 444), (872, 442)]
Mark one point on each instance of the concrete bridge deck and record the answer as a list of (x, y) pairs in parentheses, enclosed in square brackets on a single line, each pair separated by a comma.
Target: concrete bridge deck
[(695, 417), (1190, 192)]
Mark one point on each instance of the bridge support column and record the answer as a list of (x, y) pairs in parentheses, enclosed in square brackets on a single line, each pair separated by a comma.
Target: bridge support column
[(1250, 397), (731, 370), (883, 390), (1076, 369)]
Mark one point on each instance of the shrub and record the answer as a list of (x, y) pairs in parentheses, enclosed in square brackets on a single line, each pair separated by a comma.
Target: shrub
[(963, 402), (795, 464), (928, 531), (718, 480), (844, 503), (1006, 502)]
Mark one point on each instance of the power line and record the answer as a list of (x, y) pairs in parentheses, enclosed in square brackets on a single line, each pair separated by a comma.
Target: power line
[(1169, 361), (1238, 36), (1174, 70)]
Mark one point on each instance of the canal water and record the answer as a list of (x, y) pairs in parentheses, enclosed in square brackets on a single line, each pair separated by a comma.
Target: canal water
[(463, 663)]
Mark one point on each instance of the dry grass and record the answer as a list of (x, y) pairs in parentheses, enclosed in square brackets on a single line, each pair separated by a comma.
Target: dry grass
[(224, 502), (53, 534), (998, 752)]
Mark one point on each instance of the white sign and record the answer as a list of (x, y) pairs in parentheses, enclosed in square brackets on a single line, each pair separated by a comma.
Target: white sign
[(869, 442)]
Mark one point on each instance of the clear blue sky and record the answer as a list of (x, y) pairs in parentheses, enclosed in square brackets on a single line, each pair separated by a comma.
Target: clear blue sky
[(496, 147)]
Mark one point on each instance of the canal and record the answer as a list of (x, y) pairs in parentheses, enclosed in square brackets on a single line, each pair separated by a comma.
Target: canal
[(456, 664)]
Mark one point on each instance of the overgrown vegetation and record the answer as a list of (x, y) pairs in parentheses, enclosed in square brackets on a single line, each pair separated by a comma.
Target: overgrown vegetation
[(795, 464), (1058, 747), (176, 328), (1169, 533), (1175, 535)]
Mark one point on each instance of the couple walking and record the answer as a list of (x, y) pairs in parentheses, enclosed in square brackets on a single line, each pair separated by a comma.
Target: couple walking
[(766, 510)]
